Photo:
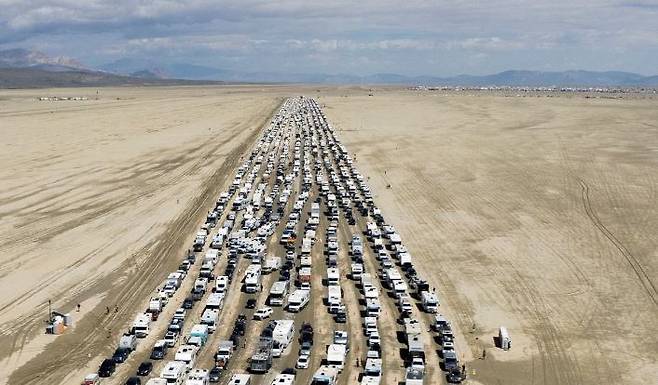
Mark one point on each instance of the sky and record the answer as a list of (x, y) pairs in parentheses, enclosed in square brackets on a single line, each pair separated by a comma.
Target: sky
[(408, 37)]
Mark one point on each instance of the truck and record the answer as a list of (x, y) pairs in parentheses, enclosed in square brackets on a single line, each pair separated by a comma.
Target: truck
[(198, 335), (298, 300), (261, 360), (429, 301), (174, 372), (414, 376), (141, 326), (252, 279), (315, 210), (224, 353), (282, 336), (278, 293)]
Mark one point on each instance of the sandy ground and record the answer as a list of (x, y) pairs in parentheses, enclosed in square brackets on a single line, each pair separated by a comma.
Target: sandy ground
[(534, 213), (99, 198), (537, 214)]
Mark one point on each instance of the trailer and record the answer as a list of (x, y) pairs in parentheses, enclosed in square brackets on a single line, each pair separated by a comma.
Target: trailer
[(261, 360), (215, 301)]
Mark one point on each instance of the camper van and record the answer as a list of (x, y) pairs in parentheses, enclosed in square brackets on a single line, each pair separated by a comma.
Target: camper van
[(142, 325), (278, 293), (187, 354), (282, 336), (252, 279), (240, 379), (174, 372), (429, 301), (336, 354), (298, 300)]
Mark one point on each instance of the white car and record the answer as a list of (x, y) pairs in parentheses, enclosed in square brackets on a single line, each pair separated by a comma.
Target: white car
[(180, 313), (263, 313), (374, 338), (303, 361)]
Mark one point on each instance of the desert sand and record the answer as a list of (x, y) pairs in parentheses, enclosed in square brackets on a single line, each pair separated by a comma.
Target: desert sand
[(534, 213), (97, 199), (538, 214)]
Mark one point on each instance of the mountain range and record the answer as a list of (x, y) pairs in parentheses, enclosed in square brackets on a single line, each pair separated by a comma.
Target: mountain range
[(136, 71)]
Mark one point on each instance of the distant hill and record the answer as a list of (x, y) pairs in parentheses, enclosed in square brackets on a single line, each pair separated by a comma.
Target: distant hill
[(40, 78), (22, 58), (64, 71)]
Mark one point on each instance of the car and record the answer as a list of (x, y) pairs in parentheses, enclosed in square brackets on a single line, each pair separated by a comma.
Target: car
[(145, 368), (263, 313), (134, 381), (303, 361), (373, 338), (107, 368), (121, 355), (292, 371), (180, 314), (340, 318), (251, 303), (188, 303), (171, 338), (214, 374)]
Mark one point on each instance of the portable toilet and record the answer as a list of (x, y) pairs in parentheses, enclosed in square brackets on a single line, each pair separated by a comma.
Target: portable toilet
[(504, 339)]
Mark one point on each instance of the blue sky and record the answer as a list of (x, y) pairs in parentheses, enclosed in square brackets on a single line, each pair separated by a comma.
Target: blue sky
[(356, 37)]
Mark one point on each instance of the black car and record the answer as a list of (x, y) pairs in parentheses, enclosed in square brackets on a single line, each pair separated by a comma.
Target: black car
[(340, 318), (134, 381), (214, 374), (188, 303), (251, 303), (120, 355), (158, 352), (292, 371), (145, 368), (107, 368)]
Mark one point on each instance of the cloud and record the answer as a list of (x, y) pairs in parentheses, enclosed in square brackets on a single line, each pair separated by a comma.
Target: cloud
[(412, 37)]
